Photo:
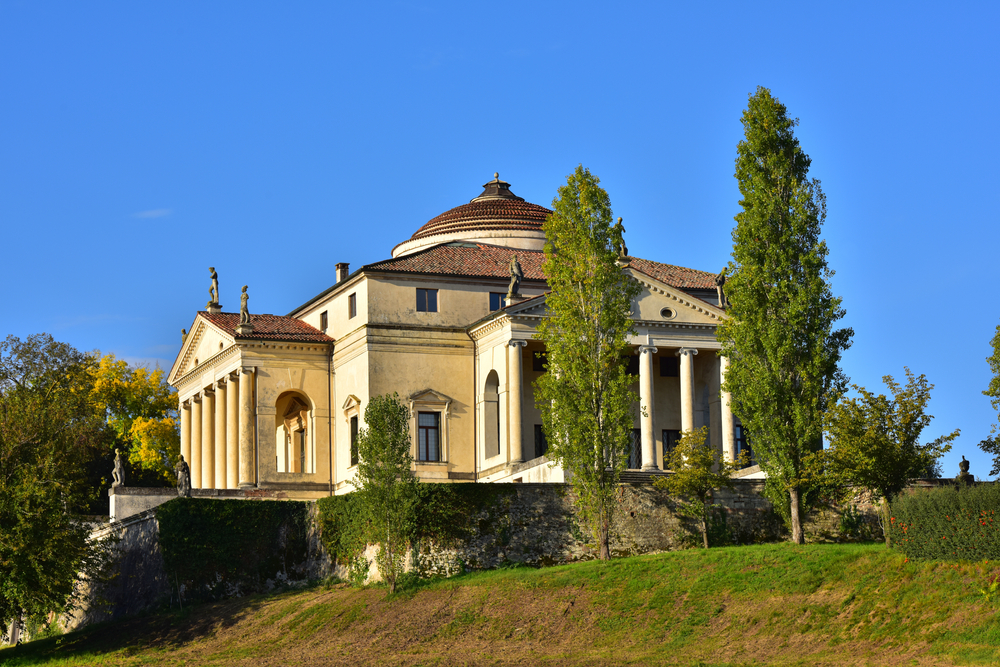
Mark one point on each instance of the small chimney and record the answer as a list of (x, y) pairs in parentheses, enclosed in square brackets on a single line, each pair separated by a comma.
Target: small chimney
[(343, 270)]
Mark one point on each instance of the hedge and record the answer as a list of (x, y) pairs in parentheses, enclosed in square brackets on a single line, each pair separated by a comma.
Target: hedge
[(948, 523), (219, 547)]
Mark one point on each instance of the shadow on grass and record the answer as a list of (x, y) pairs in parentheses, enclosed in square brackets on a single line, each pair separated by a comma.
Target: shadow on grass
[(155, 629)]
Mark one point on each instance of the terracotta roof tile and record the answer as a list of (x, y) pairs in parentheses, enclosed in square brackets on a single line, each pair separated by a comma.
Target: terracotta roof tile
[(514, 214), (269, 327), (675, 276), (465, 259), (489, 261)]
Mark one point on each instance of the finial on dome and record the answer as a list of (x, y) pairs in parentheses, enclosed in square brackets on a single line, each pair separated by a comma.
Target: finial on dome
[(496, 175)]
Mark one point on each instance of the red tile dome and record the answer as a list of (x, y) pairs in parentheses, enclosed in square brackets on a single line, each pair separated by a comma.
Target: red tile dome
[(495, 211)]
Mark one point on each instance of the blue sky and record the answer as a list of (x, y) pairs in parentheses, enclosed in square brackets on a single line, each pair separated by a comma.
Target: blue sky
[(144, 142)]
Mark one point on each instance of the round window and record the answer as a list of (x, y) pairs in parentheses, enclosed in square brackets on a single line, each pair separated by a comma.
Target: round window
[(667, 313)]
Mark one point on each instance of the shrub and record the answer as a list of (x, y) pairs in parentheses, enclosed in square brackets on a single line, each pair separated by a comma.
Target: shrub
[(948, 523)]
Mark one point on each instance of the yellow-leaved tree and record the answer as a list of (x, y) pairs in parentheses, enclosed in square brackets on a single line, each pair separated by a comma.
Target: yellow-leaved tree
[(141, 411)]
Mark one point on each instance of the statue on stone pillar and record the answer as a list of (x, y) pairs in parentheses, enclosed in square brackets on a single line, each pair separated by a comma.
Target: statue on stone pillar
[(118, 474), (720, 282), (244, 310), (964, 478), (183, 478), (515, 278), (618, 239)]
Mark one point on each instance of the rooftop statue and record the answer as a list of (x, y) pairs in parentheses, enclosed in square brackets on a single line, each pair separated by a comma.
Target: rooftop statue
[(213, 291), (244, 310), (618, 239), (720, 282), (515, 278)]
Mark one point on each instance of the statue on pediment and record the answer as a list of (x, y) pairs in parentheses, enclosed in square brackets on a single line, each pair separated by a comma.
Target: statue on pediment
[(213, 291), (720, 282), (244, 309), (618, 239), (515, 278)]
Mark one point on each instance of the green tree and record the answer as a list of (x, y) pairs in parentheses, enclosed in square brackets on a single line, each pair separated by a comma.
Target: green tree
[(141, 410), (875, 440), (48, 430), (993, 390), (585, 398), (991, 445), (779, 334), (386, 485), (697, 473)]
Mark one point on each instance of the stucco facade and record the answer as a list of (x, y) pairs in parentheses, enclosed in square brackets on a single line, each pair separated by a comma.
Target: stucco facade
[(276, 405)]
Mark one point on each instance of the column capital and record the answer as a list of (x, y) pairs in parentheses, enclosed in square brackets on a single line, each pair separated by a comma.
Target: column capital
[(220, 381), (247, 370), (686, 350), (208, 391), (186, 404), (196, 398), (517, 343), (646, 348)]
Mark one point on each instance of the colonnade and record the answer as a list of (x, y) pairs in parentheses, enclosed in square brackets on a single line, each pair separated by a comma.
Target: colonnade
[(648, 439), (217, 433)]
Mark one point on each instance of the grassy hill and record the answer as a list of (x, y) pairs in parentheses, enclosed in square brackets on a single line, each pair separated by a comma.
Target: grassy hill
[(771, 604)]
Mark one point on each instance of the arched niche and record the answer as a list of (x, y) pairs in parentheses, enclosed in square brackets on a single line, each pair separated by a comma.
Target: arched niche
[(491, 415), (295, 450)]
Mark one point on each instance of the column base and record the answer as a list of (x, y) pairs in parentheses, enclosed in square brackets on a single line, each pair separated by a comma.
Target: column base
[(248, 485), (650, 469)]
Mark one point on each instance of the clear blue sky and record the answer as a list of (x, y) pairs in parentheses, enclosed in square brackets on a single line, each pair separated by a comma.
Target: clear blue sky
[(144, 142)]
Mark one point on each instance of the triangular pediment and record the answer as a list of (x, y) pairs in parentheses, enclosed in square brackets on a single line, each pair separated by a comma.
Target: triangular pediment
[(429, 396), (659, 302), (203, 342)]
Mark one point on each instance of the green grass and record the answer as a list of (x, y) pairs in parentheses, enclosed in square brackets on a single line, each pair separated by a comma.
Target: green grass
[(768, 604)]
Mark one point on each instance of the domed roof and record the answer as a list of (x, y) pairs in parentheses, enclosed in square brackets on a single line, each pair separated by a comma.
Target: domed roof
[(495, 214)]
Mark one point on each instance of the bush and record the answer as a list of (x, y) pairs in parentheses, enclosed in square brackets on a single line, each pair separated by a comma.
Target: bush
[(221, 547), (948, 523)]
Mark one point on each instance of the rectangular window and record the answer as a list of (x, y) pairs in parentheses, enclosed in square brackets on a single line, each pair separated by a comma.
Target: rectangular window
[(427, 300), (670, 367), (302, 452), (354, 440), (352, 306), (429, 436), (670, 438), (635, 452), (324, 321), (541, 445), (496, 300), (539, 362)]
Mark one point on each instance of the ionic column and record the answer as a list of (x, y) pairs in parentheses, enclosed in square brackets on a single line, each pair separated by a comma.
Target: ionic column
[(246, 428), (233, 433), (208, 440), (221, 392), (687, 388), (728, 428), (646, 353), (185, 410), (196, 432), (514, 382)]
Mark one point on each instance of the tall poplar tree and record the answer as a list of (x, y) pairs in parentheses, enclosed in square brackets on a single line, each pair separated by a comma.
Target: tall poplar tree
[(779, 335), (585, 398)]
